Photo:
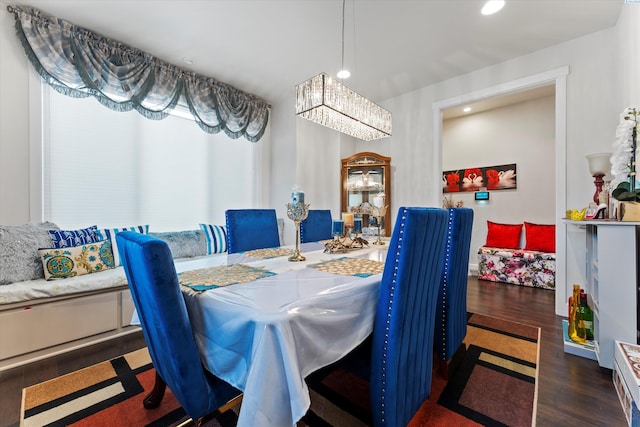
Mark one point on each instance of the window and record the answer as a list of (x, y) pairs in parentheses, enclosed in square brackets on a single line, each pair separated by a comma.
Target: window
[(115, 169)]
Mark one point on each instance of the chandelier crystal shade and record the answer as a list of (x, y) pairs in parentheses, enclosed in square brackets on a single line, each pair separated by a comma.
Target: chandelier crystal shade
[(324, 100)]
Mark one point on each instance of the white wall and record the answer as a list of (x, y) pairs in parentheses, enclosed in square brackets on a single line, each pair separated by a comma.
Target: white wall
[(14, 126), (628, 54), (523, 134)]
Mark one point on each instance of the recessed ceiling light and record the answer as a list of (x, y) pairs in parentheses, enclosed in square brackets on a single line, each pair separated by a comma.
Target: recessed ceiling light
[(466, 109), (344, 74), (492, 6)]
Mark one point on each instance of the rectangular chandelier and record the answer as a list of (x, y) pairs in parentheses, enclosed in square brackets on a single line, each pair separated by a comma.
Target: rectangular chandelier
[(324, 100)]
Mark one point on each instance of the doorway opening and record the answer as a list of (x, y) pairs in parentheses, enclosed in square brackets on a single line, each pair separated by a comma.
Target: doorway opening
[(502, 93)]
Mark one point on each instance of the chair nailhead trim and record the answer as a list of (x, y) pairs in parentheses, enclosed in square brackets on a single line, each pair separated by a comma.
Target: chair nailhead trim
[(445, 276), (389, 308)]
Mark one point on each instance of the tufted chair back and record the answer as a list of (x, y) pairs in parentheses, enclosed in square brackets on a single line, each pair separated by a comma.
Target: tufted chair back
[(402, 339), (316, 227), (249, 229), (163, 315), (451, 313)]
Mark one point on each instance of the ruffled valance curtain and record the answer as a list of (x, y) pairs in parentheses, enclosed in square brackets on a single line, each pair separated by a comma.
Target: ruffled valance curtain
[(78, 62)]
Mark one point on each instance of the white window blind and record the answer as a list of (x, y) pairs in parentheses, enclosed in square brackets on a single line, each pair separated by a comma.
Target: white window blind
[(119, 169)]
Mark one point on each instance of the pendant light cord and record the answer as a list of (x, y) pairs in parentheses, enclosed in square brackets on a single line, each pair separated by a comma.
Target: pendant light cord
[(343, 8)]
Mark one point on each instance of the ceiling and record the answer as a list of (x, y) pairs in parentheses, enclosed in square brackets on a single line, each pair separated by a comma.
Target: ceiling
[(392, 47), (499, 101)]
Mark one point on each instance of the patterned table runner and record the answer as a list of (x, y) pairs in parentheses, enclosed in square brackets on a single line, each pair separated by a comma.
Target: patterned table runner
[(215, 277), (359, 267), (268, 253)]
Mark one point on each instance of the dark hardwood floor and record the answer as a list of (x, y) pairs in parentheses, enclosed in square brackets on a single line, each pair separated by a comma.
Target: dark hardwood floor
[(572, 391)]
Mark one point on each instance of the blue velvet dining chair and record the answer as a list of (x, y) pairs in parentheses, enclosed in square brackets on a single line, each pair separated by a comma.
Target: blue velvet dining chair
[(153, 281), (402, 339), (316, 227), (249, 229), (451, 310)]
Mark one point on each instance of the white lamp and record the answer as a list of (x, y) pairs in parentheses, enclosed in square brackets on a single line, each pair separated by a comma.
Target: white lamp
[(599, 166)]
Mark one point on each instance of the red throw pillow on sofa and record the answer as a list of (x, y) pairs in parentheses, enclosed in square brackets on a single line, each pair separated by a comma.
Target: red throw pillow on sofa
[(503, 235), (540, 237)]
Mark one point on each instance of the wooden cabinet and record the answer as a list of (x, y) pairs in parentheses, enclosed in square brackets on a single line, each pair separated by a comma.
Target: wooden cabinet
[(366, 176), (611, 272)]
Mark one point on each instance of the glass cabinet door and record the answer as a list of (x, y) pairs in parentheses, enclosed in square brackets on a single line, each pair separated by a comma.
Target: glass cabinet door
[(366, 188)]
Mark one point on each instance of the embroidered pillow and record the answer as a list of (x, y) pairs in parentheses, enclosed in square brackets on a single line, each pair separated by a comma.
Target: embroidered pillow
[(61, 263), (216, 238), (68, 238), (110, 234), (540, 237), (503, 235)]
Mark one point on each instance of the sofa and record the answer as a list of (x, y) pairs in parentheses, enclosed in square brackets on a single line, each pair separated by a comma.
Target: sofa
[(503, 258), (47, 308)]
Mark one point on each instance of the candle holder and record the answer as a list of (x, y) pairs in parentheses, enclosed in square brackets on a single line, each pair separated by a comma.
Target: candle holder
[(297, 213), (379, 213), (337, 245), (357, 241)]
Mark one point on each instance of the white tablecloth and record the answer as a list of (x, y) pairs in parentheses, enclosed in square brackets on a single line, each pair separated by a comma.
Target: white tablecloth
[(266, 336)]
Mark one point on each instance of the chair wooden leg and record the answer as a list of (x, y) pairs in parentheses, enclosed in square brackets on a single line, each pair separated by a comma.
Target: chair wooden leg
[(153, 399), (448, 367)]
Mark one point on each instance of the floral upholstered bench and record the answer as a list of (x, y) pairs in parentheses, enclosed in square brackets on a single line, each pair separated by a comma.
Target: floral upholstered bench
[(517, 266), (502, 260)]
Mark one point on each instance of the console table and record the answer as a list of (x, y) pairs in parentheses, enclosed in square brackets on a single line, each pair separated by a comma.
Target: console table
[(611, 275)]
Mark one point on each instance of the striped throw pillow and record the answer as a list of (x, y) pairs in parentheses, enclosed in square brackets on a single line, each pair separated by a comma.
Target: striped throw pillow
[(216, 238)]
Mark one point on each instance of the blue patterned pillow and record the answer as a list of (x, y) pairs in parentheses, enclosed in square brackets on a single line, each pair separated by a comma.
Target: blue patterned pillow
[(69, 238), (110, 234), (216, 238), (61, 263)]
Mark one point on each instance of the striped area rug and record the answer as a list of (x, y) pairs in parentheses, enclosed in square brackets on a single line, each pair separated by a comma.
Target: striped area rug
[(495, 385)]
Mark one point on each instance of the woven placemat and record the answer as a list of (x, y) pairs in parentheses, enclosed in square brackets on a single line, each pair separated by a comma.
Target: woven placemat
[(268, 253), (215, 277), (350, 266)]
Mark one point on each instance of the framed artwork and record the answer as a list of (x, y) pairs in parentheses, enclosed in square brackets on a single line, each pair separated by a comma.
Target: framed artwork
[(501, 177)]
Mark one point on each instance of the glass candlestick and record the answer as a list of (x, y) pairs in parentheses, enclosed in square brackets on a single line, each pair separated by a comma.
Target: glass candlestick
[(297, 213)]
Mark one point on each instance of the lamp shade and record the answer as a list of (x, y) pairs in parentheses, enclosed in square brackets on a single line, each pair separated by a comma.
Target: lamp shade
[(324, 100), (599, 163)]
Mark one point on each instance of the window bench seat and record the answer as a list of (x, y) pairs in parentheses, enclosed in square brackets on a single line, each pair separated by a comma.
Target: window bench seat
[(40, 318), (517, 266)]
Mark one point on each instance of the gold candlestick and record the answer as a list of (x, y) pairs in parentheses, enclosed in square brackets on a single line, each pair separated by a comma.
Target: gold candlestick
[(379, 213), (297, 213)]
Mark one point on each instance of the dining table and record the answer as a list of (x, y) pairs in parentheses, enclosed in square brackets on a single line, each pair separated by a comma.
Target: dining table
[(263, 323)]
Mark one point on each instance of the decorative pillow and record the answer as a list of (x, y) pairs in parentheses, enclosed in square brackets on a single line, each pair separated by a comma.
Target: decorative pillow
[(503, 235), (110, 234), (184, 244), (60, 263), (19, 259), (216, 238), (67, 238), (540, 237)]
